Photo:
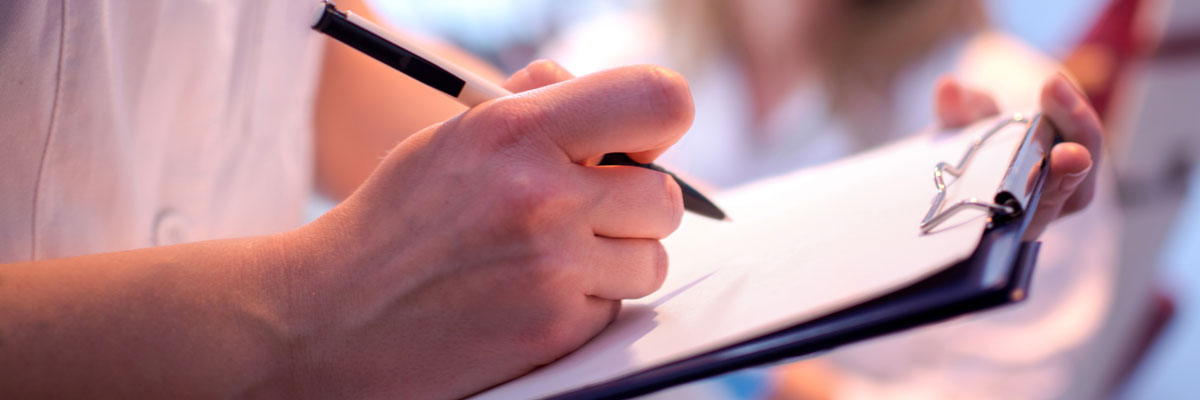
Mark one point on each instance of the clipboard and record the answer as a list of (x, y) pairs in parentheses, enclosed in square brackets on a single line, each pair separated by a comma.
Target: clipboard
[(997, 273)]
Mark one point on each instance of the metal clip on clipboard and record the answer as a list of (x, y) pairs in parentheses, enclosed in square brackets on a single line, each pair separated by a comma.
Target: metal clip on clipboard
[(997, 273), (1016, 190)]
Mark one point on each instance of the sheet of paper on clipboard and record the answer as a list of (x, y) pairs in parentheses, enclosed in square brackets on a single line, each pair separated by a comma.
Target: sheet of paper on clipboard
[(805, 245)]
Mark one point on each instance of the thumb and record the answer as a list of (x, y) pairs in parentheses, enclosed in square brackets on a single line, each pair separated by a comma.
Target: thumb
[(1070, 165), (537, 74)]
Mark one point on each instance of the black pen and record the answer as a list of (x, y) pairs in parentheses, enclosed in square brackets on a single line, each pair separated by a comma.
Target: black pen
[(464, 86)]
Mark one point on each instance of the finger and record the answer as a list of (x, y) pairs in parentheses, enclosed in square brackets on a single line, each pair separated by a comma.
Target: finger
[(1070, 165), (599, 313), (537, 74), (639, 110), (572, 322), (948, 103), (605, 311), (958, 106), (626, 268), (635, 202), (980, 104), (1077, 122)]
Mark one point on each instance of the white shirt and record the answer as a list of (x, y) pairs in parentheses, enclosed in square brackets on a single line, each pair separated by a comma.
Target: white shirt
[(129, 124)]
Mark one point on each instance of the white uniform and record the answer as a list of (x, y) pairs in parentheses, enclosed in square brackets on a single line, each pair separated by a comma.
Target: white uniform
[(128, 124)]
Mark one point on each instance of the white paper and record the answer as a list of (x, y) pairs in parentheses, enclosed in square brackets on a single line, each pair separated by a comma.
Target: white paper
[(800, 246)]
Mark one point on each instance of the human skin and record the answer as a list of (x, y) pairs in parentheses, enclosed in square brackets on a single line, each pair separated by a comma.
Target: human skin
[(1068, 188), (363, 108), (382, 287), (481, 248), (1072, 181)]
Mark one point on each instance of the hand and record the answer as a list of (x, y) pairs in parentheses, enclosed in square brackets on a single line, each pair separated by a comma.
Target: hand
[(483, 247), (1071, 183)]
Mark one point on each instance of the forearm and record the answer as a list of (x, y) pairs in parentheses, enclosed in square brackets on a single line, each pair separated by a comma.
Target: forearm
[(364, 108), (204, 319)]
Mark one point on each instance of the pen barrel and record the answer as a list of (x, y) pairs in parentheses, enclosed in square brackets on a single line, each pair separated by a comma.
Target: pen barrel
[(475, 89)]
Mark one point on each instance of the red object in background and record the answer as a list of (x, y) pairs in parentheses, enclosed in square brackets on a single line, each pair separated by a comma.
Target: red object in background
[(1106, 52), (1160, 313), (1186, 45), (1099, 62)]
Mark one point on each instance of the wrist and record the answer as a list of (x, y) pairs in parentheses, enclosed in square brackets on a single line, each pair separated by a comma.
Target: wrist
[(308, 279), (276, 280)]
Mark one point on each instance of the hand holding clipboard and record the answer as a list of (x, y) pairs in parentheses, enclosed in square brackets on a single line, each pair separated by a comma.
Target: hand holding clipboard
[(1072, 180)]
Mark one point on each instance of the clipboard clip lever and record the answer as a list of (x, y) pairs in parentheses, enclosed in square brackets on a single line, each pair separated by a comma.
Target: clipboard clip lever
[(1005, 206)]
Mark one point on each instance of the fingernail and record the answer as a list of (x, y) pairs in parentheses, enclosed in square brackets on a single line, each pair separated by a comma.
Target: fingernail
[(1072, 180), (1063, 92)]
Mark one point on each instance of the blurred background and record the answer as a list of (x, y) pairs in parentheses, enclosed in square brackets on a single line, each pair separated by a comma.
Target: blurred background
[(1138, 61)]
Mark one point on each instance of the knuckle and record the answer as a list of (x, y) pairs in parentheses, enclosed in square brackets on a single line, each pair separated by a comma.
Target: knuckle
[(539, 216), (535, 200), (508, 123), (523, 190)]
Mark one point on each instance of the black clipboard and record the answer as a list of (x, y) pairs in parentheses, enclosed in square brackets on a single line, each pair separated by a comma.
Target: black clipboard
[(997, 273)]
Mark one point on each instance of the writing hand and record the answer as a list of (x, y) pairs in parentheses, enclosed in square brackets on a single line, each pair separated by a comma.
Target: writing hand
[(485, 246)]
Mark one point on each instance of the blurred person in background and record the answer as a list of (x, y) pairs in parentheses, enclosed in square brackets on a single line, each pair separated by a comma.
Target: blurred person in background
[(159, 154), (783, 85)]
